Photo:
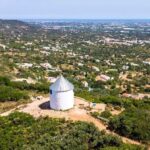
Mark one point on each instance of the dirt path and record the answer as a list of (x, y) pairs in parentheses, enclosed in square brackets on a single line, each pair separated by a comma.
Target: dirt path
[(39, 108)]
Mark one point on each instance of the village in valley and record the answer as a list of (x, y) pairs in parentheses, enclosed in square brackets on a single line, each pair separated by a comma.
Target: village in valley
[(105, 64)]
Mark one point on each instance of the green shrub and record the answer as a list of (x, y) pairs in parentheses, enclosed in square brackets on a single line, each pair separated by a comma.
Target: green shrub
[(22, 131), (112, 100), (10, 94), (4, 81), (95, 114), (133, 123), (106, 114)]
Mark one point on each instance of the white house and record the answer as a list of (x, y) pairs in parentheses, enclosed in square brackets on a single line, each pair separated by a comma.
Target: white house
[(25, 65), (85, 84), (146, 62), (61, 94), (103, 77), (95, 68), (46, 65)]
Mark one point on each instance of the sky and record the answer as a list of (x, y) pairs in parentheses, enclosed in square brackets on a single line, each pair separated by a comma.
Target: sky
[(75, 9)]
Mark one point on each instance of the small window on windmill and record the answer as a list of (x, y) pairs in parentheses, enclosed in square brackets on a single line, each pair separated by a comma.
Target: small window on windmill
[(50, 91)]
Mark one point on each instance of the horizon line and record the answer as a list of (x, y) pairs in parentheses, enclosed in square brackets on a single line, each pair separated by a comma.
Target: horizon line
[(74, 18)]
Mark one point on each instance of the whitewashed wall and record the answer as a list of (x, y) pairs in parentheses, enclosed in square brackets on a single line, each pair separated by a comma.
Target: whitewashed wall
[(62, 100)]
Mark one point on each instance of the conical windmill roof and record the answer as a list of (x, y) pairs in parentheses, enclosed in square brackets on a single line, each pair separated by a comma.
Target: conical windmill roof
[(61, 85)]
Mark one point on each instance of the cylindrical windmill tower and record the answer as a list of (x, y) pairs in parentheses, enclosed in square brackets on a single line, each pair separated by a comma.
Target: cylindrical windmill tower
[(61, 94)]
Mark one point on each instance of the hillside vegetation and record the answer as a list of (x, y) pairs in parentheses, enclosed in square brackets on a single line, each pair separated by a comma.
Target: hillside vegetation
[(22, 131), (133, 122)]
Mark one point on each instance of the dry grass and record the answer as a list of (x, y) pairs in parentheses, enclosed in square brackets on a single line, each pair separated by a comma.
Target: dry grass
[(6, 106)]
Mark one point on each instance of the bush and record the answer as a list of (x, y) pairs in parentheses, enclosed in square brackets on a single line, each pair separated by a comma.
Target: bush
[(10, 94), (133, 122), (95, 114), (4, 81), (22, 131), (23, 85), (106, 114), (39, 87), (20, 85), (112, 100)]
